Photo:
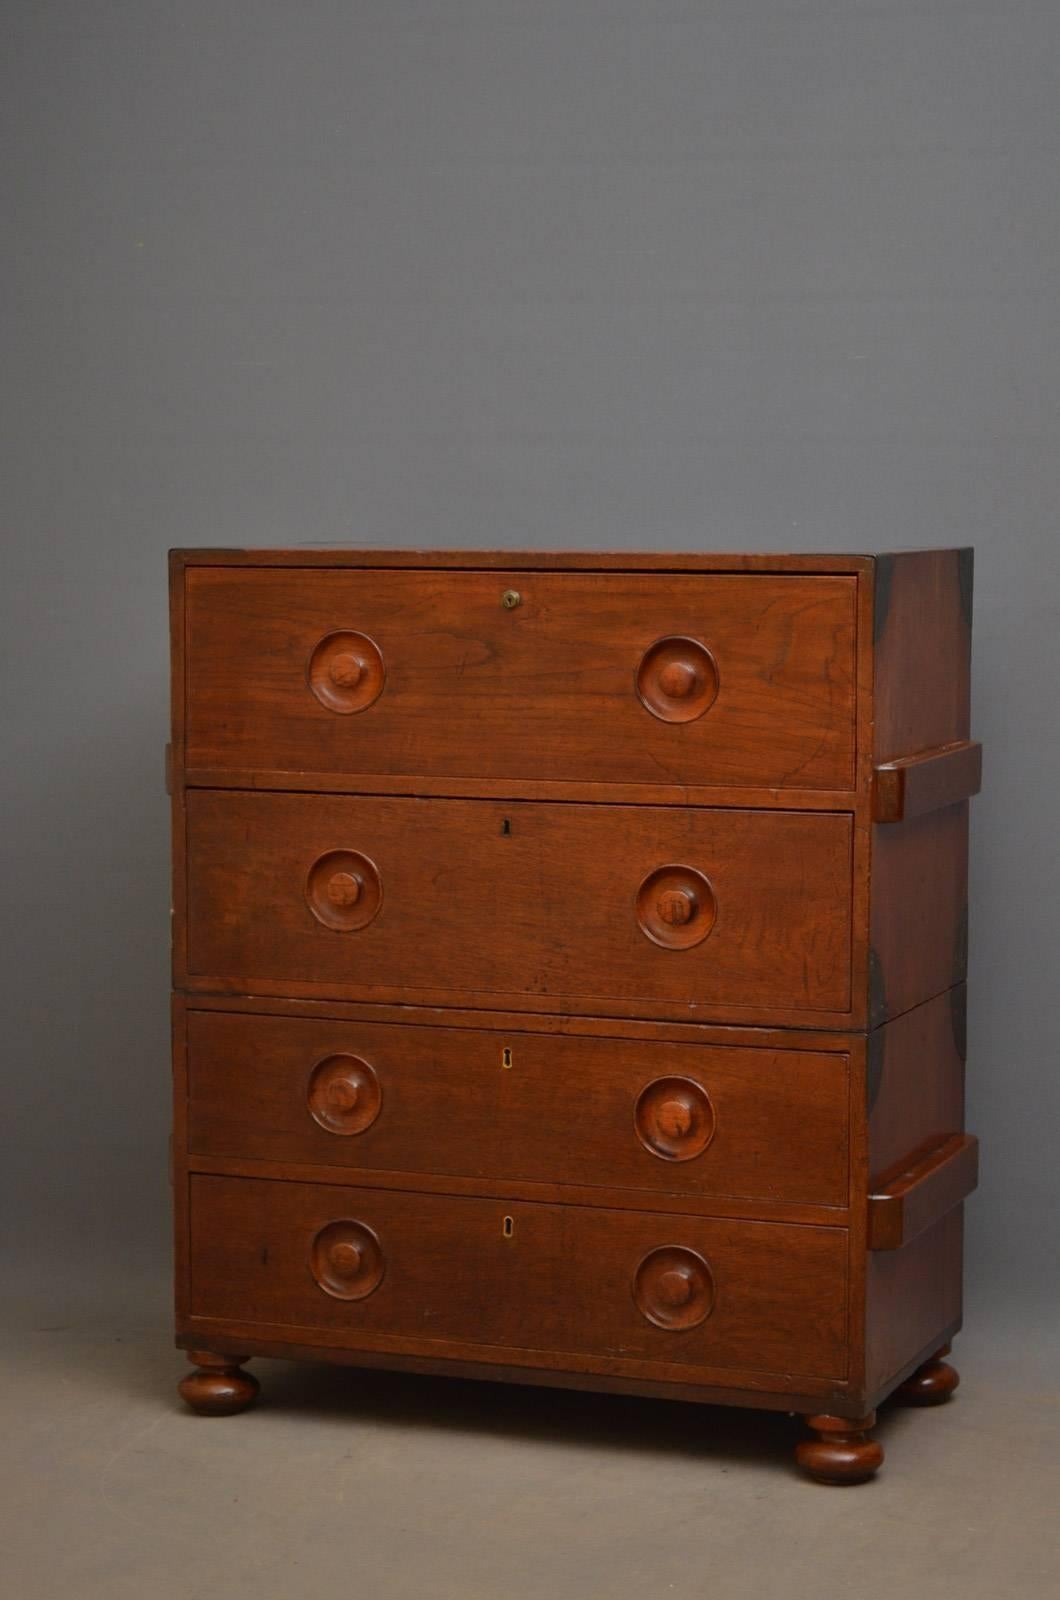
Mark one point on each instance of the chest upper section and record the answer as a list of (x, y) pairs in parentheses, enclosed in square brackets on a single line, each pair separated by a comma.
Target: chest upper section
[(698, 679)]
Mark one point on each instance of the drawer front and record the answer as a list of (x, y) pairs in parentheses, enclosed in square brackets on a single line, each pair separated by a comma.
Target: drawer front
[(364, 896), (374, 1264), (699, 1120), (627, 678)]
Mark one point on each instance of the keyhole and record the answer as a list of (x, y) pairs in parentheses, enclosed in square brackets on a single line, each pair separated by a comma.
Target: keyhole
[(506, 826), (508, 1227), (506, 1056)]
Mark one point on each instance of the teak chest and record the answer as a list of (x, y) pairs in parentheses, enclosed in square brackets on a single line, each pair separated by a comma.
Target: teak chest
[(569, 967)]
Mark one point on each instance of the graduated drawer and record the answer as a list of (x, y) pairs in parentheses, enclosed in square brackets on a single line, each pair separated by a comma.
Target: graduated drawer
[(701, 1120), (377, 1266), (636, 905), (620, 677)]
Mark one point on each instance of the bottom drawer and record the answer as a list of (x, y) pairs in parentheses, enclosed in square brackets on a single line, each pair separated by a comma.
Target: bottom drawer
[(373, 1265)]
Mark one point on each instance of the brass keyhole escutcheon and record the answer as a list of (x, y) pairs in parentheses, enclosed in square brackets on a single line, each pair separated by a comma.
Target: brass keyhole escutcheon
[(506, 1056), (508, 1227), (510, 599)]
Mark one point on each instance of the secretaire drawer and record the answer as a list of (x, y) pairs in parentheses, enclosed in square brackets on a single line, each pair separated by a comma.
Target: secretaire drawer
[(375, 1265), (739, 679), (368, 897), (695, 1119)]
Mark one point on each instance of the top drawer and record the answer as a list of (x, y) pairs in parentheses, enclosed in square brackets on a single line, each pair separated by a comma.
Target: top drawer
[(726, 679)]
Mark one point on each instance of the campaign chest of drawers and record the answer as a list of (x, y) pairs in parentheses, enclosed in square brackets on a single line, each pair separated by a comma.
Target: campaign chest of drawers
[(569, 960)]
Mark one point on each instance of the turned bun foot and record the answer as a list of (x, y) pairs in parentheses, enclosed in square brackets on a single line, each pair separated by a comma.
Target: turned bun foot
[(930, 1385), (841, 1452), (218, 1387)]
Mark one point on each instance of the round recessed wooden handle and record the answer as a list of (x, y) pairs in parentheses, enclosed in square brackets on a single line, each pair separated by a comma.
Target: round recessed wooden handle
[(673, 1287), (346, 672), (677, 679), (675, 907), (346, 1259), (674, 1118), (343, 890), (343, 1094)]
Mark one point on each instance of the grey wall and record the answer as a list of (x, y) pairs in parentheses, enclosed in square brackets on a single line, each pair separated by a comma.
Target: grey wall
[(731, 274)]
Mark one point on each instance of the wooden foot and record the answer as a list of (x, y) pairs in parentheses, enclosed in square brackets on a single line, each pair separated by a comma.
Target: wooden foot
[(218, 1387), (841, 1453), (930, 1385)]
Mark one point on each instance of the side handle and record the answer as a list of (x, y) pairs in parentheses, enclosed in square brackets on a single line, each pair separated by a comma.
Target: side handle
[(908, 1202), (927, 782)]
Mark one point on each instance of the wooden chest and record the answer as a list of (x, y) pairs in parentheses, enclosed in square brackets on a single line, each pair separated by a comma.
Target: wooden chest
[(569, 960)]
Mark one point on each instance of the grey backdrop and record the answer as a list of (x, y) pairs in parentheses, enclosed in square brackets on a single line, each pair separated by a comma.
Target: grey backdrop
[(728, 275)]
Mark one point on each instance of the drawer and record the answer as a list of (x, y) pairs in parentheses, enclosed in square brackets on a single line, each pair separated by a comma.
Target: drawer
[(618, 677), (700, 1120), (376, 1265), (647, 906)]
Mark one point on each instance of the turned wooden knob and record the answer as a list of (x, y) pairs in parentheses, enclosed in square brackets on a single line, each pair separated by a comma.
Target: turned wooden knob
[(674, 1288), (345, 671), (674, 1118), (343, 889), (345, 1259), (342, 1094), (676, 907), (677, 679)]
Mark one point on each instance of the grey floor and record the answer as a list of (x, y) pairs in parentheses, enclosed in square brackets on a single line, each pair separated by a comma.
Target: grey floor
[(397, 1488)]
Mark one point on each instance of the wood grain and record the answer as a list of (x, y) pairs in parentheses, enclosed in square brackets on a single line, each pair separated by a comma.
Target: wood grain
[(562, 1282), (927, 782), (905, 1203), (545, 909), (564, 1111), (473, 689), (922, 652), (919, 909), (916, 1093), (569, 954), (345, 556)]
